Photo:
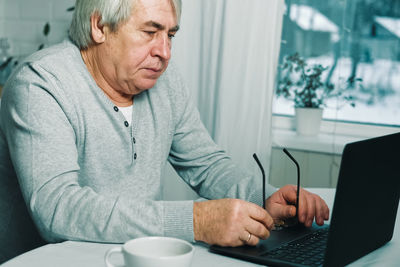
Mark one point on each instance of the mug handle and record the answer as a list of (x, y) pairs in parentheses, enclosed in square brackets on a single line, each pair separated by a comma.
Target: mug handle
[(109, 253)]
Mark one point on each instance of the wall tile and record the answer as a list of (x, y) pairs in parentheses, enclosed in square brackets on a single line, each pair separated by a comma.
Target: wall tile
[(11, 9), (1, 9), (35, 10), (23, 30), (59, 10), (22, 22)]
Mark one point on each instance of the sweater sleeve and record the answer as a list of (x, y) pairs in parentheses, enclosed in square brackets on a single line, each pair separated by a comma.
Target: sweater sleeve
[(202, 164), (43, 149)]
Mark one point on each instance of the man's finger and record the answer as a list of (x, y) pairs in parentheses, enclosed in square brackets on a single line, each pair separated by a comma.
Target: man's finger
[(283, 211), (322, 210), (257, 229), (310, 210), (319, 212), (261, 215), (303, 204), (290, 196), (251, 240), (287, 211)]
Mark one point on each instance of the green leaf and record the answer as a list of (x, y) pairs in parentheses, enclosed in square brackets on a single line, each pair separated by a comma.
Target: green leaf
[(46, 29)]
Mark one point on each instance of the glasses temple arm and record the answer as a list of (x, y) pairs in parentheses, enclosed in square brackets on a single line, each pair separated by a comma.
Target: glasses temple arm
[(263, 177), (298, 179)]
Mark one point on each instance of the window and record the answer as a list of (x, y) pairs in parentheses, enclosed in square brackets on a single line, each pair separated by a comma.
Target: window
[(354, 39)]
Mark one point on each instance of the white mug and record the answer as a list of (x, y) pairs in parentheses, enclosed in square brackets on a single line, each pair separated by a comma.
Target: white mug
[(154, 251)]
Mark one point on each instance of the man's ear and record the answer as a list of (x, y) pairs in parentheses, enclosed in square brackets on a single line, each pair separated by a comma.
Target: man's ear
[(97, 29)]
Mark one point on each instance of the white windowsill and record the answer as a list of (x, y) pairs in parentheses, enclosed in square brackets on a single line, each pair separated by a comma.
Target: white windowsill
[(332, 138), (322, 143)]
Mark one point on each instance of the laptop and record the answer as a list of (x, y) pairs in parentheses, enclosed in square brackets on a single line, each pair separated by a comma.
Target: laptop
[(363, 215)]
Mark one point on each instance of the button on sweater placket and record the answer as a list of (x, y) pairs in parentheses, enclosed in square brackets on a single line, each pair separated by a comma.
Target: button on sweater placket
[(134, 146), (133, 140), (126, 123)]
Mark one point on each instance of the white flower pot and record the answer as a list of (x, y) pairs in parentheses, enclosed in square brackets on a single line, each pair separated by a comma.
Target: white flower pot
[(308, 120)]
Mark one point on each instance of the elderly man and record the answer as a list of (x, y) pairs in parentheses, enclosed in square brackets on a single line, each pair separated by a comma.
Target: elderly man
[(89, 124)]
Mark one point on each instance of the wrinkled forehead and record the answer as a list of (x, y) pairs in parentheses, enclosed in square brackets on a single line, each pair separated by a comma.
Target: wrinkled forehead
[(153, 12), (174, 5)]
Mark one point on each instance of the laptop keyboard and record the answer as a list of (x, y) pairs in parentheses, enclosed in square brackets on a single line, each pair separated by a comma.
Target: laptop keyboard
[(308, 250)]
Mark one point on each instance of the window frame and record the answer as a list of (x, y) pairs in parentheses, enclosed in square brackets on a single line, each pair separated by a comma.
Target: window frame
[(334, 134)]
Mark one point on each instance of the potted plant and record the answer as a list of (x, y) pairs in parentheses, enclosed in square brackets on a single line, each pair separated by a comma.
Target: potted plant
[(303, 84)]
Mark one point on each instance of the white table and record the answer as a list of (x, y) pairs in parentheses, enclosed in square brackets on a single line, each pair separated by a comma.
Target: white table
[(84, 254)]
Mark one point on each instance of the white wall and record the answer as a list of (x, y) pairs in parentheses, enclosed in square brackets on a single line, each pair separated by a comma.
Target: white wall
[(23, 22)]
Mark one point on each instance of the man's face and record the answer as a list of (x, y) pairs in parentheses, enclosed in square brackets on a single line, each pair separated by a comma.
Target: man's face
[(136, 55)]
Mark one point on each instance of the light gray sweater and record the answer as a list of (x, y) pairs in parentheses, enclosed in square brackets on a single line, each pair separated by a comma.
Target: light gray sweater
[(86, 174)]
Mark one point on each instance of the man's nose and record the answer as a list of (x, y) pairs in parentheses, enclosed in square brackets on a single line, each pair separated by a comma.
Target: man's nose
[(162, 47)]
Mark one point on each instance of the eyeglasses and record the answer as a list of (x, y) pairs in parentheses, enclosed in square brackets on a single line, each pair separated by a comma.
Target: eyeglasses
[(290, 221)]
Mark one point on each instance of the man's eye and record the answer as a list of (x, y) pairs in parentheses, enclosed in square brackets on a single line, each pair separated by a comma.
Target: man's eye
[(151, 33), (170, 36)]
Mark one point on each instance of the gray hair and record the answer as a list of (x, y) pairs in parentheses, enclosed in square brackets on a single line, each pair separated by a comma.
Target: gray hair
[(112, 12)]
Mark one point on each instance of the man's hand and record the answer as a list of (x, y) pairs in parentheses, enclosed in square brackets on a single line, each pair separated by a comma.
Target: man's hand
[(280, 206), (230, 222)]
